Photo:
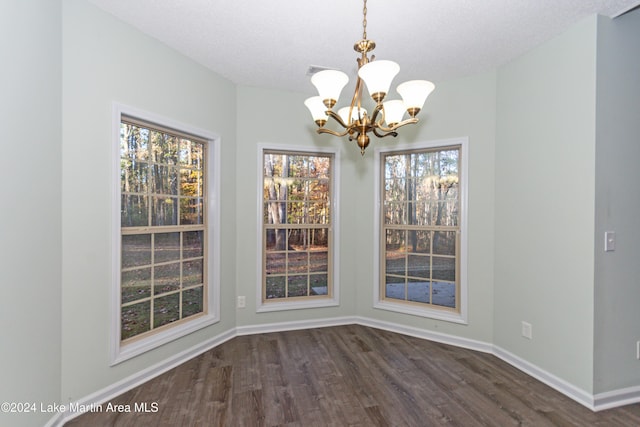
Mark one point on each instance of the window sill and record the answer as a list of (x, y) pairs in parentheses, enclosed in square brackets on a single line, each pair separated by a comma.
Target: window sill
[(137, 347), (296, 305), (431, 313)]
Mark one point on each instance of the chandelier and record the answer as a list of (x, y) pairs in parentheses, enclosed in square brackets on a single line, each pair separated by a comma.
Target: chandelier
[(386, 116)]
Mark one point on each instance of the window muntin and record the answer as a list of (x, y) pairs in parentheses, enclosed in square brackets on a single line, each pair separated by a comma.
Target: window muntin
[(163, 273), (420, 236), (296, 226)]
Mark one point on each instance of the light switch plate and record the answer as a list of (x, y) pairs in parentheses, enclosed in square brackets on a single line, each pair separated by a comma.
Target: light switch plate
[(609, 241)]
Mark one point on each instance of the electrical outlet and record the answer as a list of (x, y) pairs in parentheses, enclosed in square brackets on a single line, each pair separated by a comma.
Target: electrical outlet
[(242, 302), (527, 330)]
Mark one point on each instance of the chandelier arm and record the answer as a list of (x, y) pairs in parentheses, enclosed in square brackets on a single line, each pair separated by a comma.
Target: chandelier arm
[(379, 108), (382, 135), (333, 132), (397, 125), (337, 118)]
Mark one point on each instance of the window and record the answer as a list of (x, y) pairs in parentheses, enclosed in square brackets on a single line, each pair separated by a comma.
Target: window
[(165, 238), (298, 213), (421, 225)]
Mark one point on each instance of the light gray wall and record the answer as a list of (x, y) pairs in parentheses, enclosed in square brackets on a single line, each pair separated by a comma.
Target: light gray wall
[(617, 207), (545, 185), (105, 60), (30, 228)]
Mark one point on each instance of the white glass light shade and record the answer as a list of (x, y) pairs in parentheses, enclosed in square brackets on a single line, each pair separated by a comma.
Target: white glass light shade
[(393, 111), (329, 84), (378, 75), (344, 114), (414, 93), (316, 107)]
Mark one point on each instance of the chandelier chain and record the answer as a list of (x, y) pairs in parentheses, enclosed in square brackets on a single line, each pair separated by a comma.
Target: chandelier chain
[(364, 21)]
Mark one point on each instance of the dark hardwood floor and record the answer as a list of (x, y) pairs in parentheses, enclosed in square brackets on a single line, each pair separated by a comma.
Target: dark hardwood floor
[(349, 376)]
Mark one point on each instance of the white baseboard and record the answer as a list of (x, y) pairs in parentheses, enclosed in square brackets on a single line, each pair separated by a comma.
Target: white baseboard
[(615, 398), (294, 326), (564, 387), (597, 402), (426, 334), (141, 377)]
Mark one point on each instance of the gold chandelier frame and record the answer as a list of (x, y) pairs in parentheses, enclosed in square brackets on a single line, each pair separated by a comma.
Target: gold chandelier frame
[(357, 124)]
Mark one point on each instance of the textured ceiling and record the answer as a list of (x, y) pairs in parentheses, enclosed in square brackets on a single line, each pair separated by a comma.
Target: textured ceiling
[(273, 43)]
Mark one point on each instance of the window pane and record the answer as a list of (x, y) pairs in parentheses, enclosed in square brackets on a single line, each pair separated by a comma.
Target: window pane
[(135, 319), (418, 290), (134, 142), (164, 148), (318, 213), (296, 213), (166, 247), (318, 284), (164, 179), (275, 287), (423, 241), (318, 261), (166, 278), (319, 167), (133, 176), (133, 211), (297, 262), (191, 183), (166, 310), (395, 213), (276, 240), (192, 273), (273, 165), (192, 302), (444, 268), (319, 190), (135, 284), (319, 238), (191, 211), (298, 166), (275, 213), (444, 294), (444, 242), (297, 286), (192, 244), (298, 239), (395, 253), (164, 211), (418, 266), (394, 288), (136, 250), (276, 263), (395, 166), (191, 153)]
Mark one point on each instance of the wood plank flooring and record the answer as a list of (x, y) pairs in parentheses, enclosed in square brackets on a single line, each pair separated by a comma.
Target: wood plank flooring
[(349, 376)]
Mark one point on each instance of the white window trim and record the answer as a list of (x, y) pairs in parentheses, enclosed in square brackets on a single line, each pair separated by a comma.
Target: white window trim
[(432, 313), (334, 300), (119, 352)]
